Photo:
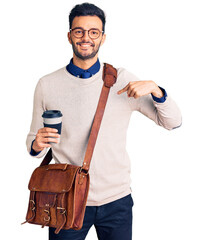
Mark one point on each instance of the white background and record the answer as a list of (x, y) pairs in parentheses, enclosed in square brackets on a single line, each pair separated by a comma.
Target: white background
[(156, 40)]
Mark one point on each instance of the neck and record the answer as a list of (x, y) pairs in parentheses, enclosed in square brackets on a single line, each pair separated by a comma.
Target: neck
[(84, 64)]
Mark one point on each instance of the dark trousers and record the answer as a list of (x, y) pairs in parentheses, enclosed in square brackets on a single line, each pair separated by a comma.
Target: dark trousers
[(112, 221)]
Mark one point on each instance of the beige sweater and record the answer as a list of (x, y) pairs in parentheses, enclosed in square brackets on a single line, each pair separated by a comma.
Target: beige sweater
[(77, 99)]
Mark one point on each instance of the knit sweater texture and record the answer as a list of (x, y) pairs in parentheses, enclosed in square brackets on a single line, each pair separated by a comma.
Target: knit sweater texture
[(77, 99)]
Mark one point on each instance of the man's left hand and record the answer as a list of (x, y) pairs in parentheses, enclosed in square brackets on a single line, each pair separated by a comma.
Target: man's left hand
[(138, 89)]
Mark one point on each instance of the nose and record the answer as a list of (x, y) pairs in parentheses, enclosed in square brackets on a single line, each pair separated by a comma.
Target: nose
[(86, 36)]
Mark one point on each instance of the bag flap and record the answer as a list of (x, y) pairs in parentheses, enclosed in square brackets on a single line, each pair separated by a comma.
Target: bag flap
[(56, 178)]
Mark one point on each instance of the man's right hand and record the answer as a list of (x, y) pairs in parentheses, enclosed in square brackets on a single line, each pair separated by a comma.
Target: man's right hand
[(43, 137)]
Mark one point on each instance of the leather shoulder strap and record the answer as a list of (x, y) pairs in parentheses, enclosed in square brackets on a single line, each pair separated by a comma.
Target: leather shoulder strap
[(109, 78), (109, 75), (47, 159)]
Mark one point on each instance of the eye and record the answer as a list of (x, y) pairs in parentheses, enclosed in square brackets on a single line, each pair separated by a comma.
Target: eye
[(94, 33), (78, 31)]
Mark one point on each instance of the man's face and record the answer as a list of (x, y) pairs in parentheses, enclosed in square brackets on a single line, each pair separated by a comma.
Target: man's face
[(86, 47)]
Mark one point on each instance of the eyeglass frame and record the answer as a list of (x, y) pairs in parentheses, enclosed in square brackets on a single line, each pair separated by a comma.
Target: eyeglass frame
[(101, 32)]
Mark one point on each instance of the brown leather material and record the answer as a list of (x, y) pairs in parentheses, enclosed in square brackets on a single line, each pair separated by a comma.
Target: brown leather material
[(58, 192), (81, 194), (47, 199), (61, 213), (46, 180), (47, 158), (109, 75)]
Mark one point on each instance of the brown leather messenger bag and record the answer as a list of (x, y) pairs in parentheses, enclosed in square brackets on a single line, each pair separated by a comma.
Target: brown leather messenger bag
[(58, 192)]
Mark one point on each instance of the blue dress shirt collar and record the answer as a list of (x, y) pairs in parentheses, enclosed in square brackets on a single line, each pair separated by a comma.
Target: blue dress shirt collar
[(77, 72)]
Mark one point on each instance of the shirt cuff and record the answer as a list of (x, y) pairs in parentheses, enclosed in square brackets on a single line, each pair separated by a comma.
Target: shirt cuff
[(162, 99), (32, 152)]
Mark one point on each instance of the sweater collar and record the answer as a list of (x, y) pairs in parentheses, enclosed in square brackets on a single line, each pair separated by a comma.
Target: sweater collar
[(77, 72)]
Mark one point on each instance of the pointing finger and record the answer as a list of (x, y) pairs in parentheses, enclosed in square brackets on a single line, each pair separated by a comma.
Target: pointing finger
[(123, 90)]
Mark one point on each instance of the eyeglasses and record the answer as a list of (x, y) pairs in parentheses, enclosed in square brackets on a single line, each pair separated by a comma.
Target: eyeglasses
[(93, 33)]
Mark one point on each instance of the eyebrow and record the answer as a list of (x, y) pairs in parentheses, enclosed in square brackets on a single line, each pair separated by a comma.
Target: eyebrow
[(87, 29)]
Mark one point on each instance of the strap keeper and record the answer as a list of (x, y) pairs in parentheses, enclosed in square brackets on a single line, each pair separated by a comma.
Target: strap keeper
[(83, 170)]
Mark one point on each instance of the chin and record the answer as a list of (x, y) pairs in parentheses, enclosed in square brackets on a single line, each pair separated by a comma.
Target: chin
[(86, 55)]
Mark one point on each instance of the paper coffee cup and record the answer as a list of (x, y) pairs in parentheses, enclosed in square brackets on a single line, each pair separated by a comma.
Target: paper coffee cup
[(53, 119)]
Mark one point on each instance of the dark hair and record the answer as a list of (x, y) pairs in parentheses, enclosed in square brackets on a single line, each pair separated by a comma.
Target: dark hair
[(87, 9)]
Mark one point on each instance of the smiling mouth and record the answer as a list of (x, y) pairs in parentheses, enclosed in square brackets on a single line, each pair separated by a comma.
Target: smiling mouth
[(85, 45)]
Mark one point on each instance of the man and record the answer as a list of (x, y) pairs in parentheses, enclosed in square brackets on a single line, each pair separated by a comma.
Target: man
[(75, 90)]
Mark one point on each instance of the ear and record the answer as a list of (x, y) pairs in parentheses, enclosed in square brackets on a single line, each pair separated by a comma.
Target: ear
[(69, 39), (103, 39)]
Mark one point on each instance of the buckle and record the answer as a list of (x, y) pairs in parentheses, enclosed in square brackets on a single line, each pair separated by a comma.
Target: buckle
[(47, 219), (60, 208), (33, 205)]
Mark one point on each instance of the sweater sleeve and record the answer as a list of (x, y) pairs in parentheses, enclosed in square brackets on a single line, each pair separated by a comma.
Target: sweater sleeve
[(166, 114), (37, 121)]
